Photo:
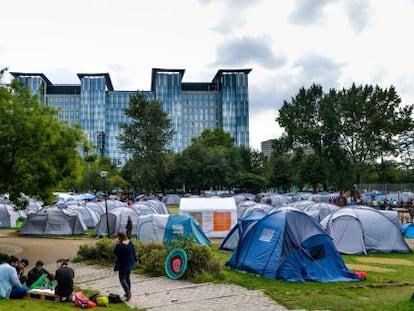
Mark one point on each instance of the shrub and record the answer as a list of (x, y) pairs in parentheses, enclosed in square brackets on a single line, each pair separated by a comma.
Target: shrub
[(152, 256), (99, 252)]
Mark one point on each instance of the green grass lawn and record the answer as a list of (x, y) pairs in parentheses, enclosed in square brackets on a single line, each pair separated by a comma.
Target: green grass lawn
[(389, 284), (38, 305)]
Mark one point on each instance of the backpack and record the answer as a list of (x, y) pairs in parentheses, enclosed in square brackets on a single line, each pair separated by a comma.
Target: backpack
[(82, 301), (114, 298)]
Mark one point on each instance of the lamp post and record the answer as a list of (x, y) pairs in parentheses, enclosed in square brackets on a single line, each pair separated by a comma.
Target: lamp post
[(104, 174)]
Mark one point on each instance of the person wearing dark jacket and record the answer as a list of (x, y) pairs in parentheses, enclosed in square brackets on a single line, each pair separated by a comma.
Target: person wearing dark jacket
[(128, 227), (125, 259), (35, 273), (20, 268), (64, 280)]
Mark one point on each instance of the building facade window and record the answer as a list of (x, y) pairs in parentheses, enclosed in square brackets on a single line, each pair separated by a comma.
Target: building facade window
[(98, 109)]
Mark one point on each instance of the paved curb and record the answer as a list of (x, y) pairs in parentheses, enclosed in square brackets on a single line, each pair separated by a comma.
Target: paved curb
[(161, 293)]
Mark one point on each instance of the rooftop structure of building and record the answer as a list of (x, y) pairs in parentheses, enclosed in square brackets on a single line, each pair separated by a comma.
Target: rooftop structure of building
[(98, 108)]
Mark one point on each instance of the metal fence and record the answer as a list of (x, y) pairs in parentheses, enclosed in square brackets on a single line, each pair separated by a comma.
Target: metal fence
[(386, 188)]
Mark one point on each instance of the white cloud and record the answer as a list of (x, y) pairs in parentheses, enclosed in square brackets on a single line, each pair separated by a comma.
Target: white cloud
[(288, 44)]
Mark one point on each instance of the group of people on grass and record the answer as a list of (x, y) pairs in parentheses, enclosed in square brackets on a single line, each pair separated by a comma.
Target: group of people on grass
[(14, 283)]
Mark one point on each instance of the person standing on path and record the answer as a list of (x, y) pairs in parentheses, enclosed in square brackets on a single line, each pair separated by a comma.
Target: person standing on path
[(125, 259), (128, 227)]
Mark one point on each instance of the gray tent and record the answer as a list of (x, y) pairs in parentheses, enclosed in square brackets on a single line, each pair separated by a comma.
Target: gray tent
[(53, 221), (363, 230), (89, 216), (117, 219), (320, 210), (150, 207), (171, 199), (97, 207), (9, 216)]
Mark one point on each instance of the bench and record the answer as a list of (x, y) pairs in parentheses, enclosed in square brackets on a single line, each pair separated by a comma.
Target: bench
[(42, 295)]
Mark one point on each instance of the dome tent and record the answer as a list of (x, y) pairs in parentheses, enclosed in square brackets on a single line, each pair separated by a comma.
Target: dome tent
[(289, 245), (361, 230), (118, 216), (53, 221), (9, 216), (161, 227), (89, 216)]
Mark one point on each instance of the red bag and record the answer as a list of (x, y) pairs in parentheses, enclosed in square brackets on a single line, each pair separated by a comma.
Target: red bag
[(361, 274), (82, 301)]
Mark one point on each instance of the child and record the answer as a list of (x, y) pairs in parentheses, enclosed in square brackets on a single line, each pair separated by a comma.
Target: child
[(46, 281)]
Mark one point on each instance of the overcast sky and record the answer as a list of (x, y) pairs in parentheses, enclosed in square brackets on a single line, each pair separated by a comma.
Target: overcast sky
[(287, 44)]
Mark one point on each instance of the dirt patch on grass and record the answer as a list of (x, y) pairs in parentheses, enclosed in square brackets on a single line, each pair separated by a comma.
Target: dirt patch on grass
[(386, 261), (358, 267)]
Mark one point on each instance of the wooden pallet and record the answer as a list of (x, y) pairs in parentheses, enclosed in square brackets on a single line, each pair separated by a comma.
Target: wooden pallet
[(42, 296)]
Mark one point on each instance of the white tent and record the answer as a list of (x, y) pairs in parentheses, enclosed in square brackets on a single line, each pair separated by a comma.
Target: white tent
[(216, 216)]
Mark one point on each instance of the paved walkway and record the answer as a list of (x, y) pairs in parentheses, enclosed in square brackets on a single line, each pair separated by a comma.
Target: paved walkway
[(161, 293)]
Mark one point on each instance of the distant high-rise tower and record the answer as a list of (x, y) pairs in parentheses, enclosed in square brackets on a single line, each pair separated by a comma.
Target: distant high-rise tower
[(191, 106)]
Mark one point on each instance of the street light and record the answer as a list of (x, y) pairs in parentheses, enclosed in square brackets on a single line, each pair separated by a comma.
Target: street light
[(104, 174)]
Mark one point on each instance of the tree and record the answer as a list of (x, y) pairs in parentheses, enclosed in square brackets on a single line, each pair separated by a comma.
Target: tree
[(360, 123), (210, 162), (37, 152), (215, 138), (91, 181), (313, 172), (146, 137), (280, 172), (252, 161)]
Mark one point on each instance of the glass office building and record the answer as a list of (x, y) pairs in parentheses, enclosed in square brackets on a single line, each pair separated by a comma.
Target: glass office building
[(192, 106)]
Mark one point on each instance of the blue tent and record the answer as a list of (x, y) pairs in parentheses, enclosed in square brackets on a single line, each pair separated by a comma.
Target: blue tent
[(289, 245), (407, 229), (163, 227), (232, 239)]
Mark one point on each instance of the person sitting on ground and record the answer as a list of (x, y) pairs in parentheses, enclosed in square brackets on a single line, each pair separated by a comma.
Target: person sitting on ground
[(21, 265), (64, 280), (35, 273), (46, 281), (10, 286)]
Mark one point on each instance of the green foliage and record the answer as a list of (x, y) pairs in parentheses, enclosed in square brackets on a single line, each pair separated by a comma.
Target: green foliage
[(37, 151), (101, 251), (214, 138), (280, 173), (146, 137), (152, 256), (90, 179), (212, 162), (250, 183), (348, 129)]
